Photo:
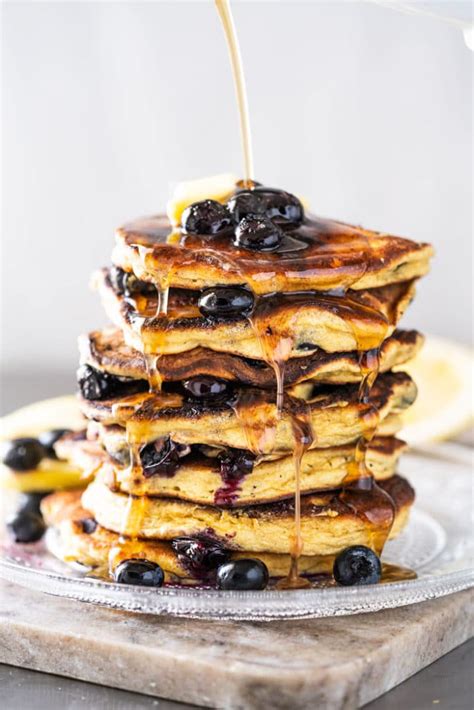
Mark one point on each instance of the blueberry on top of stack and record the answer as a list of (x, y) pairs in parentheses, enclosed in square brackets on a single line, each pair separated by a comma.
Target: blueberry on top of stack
[(242, 407)]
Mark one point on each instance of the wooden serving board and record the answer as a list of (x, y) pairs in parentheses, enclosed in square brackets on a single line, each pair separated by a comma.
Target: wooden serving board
[(341, 662)]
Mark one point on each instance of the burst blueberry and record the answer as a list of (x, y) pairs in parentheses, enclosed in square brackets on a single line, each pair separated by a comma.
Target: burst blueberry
[(200, 556), (162, 458), (357, 565)]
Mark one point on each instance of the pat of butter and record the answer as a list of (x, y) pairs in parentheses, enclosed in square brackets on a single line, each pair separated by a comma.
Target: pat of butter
[(216, 187)]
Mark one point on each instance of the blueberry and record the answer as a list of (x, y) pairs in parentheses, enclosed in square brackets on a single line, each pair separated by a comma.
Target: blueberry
[(257, 234), (162, 458), (206, 387), (49, 438), (200, 556), (225, 301), (236, 463), (22, 454), (88, 525), (242, 575), (26, 527), (207, 217), (243, 204), (95, 384), (357, 565), (30, 502), (139, 572), (283, 208), (125, 283)]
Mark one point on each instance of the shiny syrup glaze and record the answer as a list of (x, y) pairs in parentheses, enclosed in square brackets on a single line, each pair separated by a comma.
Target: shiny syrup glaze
[(360, 488)]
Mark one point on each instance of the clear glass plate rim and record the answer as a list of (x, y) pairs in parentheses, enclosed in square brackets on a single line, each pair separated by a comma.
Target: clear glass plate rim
[(463, 577)]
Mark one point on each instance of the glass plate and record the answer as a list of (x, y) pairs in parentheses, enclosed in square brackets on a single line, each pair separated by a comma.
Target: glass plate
[(437, 544)]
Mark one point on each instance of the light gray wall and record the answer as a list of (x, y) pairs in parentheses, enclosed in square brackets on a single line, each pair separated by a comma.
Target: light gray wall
[(365, 111)]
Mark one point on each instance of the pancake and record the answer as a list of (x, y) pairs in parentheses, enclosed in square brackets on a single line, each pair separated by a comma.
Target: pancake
[(251, 421), (106, 350), (296, 322), (199, 478), (328, 522), (320, 255), (100, 549)]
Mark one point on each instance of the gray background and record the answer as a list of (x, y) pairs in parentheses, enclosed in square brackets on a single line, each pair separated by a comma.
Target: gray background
[(363, 110)]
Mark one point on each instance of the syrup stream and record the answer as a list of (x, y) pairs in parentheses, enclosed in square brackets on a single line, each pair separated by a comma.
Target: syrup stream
[(225, 13)]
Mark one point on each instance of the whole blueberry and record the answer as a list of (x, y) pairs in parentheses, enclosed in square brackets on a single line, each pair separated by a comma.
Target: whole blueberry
[(207, 217), (88, 525), (139, 572), (125, 283), (243, 204), (205, 387), (22, 454), (26, 527), (49, 438), (30, 502), (281, 207), (225, 301), (96, 385), (357, 565), (242, 575), (257, 234)]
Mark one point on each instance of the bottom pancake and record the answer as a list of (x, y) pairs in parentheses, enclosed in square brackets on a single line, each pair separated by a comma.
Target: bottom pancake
[(329, 521), (77, 538)]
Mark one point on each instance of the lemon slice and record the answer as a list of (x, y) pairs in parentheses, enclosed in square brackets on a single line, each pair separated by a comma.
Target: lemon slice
[(49, 475), (56, 413), (216, 187), (443, 372)]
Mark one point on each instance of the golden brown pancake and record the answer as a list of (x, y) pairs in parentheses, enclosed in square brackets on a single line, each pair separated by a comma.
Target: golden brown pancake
[(199, 477), (251, 421), (359, 320), (320, 255), (106, 350), (101, 549), (328, 522)]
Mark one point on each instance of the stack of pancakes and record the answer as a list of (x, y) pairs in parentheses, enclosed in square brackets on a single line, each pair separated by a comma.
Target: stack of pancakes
[(205, 421)]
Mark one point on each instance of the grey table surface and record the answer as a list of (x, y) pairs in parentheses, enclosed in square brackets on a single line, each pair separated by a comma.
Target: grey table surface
[(448, 683)]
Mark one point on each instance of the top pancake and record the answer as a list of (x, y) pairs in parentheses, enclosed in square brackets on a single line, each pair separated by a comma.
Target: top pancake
[(320, 255)]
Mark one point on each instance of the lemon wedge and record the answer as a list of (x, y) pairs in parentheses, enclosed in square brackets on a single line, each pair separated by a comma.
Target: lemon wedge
[(216, 187), (443, 372), (50, 474)]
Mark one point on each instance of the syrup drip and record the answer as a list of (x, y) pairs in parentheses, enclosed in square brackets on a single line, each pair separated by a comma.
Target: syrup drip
[(303, 434), (128, 544), (360, 492)]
